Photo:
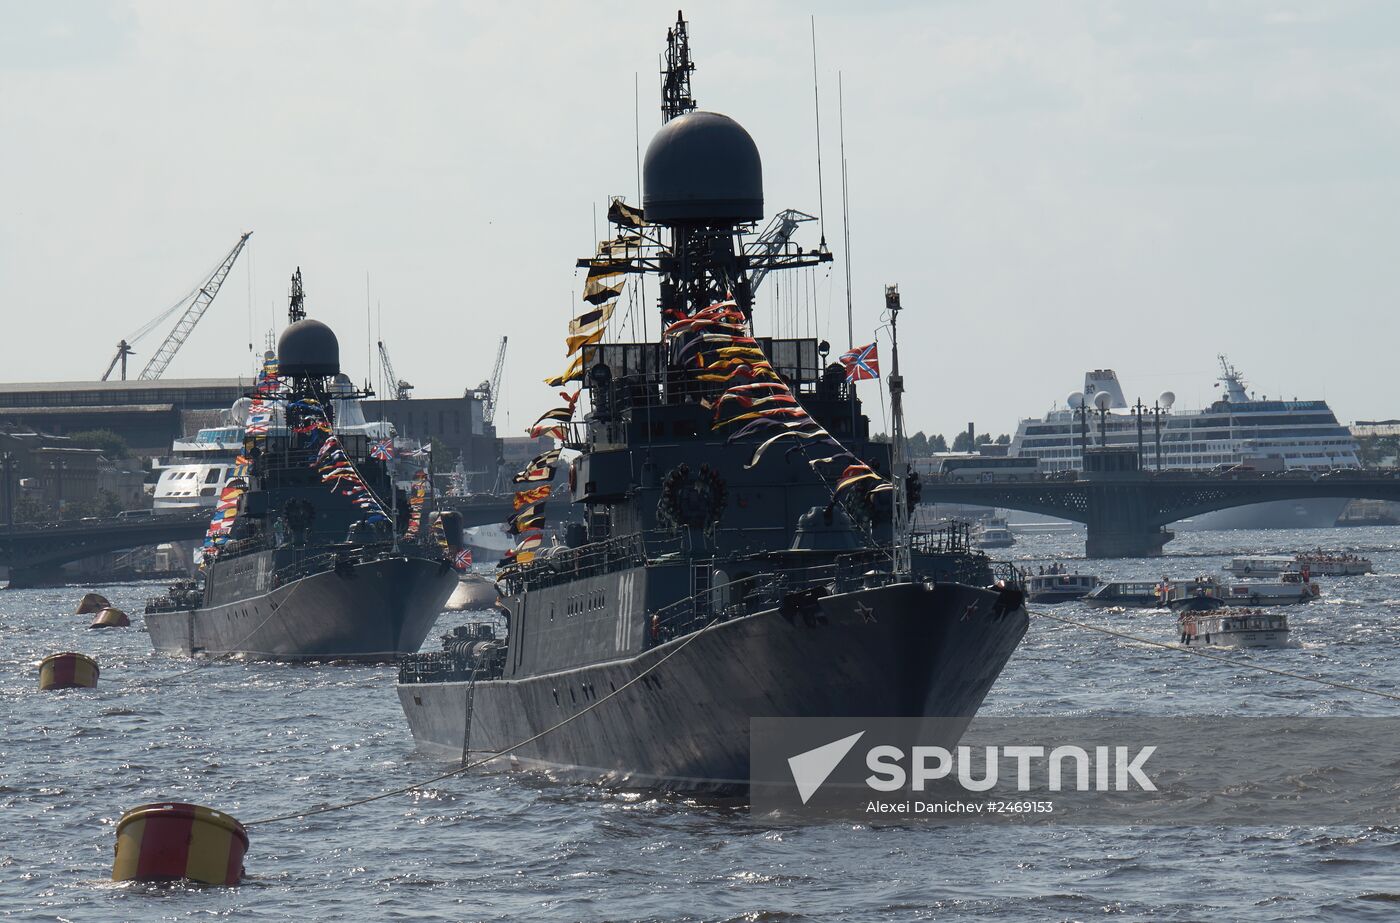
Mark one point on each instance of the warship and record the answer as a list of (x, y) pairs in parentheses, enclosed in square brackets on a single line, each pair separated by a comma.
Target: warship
[(742, 547), (294, 570)]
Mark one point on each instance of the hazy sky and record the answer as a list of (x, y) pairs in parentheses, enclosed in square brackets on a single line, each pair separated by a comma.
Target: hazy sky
[(1055, 186)]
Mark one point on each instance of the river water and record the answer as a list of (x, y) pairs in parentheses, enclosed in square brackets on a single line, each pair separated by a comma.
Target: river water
[(259, 740)]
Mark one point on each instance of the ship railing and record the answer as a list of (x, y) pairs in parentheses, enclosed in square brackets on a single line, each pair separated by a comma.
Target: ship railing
[(794, 590), (954, 537), (560, 564)]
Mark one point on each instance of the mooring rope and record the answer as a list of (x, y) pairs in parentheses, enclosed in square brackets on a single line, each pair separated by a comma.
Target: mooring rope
[(1223, 659), (496, 754)]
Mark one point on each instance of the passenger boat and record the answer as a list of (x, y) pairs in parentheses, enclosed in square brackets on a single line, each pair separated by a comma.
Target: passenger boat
[(1059, 588), (995, 534), (1234, 628), (1313, 563), (1290, 587), (1129, 594)]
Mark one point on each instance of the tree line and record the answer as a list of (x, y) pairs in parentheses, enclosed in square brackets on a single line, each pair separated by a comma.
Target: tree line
[(922, 445)]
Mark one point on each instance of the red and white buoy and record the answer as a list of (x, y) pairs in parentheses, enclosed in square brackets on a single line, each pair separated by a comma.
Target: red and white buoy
[(68, 670), (172, 840), (111, 617)]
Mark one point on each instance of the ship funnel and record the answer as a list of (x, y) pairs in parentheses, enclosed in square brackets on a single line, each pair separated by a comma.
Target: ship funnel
[(1104, 381)]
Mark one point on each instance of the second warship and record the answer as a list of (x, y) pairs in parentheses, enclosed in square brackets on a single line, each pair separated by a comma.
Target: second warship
[(310, 555), (742, 549)]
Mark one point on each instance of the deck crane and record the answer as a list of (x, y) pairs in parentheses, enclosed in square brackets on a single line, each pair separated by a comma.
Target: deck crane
[(203, 297), (396, 386), (773, 240), (488, 391)]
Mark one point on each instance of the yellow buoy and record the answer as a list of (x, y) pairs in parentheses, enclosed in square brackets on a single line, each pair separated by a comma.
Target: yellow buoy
[(111, 617), (92, 602), (68, 671), (171, 840)]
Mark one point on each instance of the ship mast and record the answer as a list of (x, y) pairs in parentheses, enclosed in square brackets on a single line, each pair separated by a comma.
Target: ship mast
[(676, 70), (902, 552)]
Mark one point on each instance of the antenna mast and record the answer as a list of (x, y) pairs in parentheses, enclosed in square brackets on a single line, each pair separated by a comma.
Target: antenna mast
[(902, 551), (675, 74), (817, 105), (296, 305)]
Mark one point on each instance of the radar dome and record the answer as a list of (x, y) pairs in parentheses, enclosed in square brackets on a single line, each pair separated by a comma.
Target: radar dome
[(1103, 400), (1074, 400), (238, 413), (1167, 399), (308, 349), (702, 166)]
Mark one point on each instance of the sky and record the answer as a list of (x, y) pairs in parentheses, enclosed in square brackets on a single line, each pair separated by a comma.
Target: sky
[(1055, 187)]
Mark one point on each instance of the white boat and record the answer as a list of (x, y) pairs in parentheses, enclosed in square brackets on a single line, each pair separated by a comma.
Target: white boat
[(1059, 588), (1237, 430), (1129, 594), (1314, 563), (1234, 628), (995, 534), (1287, 588)]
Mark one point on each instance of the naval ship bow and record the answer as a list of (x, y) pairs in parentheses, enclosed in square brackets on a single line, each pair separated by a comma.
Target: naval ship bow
[(740, 546), (310, 555)]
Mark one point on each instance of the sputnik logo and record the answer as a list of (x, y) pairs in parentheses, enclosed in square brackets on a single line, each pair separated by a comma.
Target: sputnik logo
[(813, 767)]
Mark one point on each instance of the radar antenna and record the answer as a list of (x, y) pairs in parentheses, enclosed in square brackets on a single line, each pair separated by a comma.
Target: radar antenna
[(772, 242), (675, 72)]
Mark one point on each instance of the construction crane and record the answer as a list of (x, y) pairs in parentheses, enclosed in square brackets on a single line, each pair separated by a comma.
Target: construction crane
[(773, 240), (203, 297), (397, 387), (488, 391)]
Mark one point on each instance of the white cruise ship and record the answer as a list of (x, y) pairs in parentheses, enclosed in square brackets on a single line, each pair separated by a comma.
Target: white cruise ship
[(1236, 429)]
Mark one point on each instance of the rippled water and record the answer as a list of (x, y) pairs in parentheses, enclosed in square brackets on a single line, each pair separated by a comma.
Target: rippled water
[(258, 740)]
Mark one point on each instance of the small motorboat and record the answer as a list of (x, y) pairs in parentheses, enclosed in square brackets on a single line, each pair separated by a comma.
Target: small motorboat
[(1059, 588), (1234, 628), (1193, 597)]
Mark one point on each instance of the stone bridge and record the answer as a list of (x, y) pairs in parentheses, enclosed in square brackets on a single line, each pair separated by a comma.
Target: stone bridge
[(1127, 513)]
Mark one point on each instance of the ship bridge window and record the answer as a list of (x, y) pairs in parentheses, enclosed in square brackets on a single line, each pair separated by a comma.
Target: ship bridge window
[(212, 477), (683, 428)]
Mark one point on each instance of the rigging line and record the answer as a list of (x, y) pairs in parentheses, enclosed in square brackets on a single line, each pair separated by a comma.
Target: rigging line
[(1238, 663), (816, 105), (845, 209), (495, 754)]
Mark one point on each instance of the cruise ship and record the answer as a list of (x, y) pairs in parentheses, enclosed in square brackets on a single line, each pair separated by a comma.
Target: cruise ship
[(1236, 429)]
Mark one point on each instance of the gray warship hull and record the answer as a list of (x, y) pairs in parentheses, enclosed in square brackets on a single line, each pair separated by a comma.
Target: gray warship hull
[(899, 650), (376, 611)]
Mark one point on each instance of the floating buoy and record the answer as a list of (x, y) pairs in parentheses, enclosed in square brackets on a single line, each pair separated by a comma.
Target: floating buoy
[(111, 617), (68, 671), (92, 602), (171, 840)]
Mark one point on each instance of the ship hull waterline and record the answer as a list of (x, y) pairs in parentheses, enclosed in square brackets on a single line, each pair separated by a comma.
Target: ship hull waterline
[(376, 612), (903, 650)]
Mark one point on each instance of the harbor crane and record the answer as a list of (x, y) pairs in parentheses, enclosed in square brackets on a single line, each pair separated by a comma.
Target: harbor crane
[(203, 297), (488, 391), (399, 389)]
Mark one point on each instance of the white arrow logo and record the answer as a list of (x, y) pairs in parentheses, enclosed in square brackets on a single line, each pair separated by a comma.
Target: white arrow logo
[(811, 769)]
